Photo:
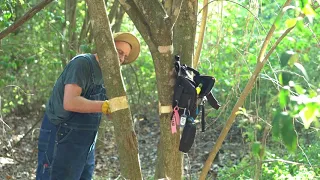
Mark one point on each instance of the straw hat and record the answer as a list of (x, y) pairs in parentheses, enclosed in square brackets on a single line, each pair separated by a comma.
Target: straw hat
[(133, 41)]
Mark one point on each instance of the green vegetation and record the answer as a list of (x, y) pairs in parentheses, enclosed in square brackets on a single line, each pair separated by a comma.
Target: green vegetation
[(280, 119)]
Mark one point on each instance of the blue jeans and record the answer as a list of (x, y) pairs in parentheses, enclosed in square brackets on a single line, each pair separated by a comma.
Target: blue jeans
[(65, 153)]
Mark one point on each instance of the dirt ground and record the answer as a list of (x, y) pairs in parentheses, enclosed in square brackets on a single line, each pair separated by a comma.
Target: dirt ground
[(18, 149)]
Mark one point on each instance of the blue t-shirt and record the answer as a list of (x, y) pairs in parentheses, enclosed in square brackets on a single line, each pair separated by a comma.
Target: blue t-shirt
[(78, 71)]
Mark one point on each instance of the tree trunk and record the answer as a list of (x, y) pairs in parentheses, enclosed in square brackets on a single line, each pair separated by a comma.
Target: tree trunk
[(116, 14), (155, 24), (70, 16), (185, 32), (125, 136)]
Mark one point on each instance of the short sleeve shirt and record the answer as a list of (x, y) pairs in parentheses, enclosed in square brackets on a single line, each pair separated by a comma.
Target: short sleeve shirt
[(78, 72)]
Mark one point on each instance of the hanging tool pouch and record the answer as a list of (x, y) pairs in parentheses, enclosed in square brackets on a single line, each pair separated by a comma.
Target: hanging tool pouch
[(190, 90), (187, 138)]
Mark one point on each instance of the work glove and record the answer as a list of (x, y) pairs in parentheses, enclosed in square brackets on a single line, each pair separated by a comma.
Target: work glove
[(106, 107), (114, 104)]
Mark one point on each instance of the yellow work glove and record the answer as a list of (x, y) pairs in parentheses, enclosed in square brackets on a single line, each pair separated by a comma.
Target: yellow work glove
[(106, 107), (114, 104)]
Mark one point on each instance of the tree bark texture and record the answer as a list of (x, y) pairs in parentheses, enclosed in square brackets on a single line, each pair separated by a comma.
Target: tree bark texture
[(185, 32), (125, 136), (155, 23)]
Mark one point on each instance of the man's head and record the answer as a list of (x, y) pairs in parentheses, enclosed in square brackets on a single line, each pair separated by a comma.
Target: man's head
[(128, 47)]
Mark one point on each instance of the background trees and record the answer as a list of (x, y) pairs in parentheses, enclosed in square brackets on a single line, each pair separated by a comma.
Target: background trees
[(33, 56)]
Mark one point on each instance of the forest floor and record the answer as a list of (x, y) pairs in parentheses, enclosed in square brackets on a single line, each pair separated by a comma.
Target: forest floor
[(18, 149)]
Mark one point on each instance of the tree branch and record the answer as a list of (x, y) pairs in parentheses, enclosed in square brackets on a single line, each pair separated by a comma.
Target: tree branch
[(260, 64), (173, 8), (201, 33), (152, 11), (138, 19), (24, 18)]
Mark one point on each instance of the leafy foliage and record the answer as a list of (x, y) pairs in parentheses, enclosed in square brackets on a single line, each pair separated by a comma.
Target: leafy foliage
[(286, 95)]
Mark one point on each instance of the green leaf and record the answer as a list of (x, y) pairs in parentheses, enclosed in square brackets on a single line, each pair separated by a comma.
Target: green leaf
[(288, 135), (277, 22), (308, 11), (283, 97), (293, 59), (291, 22), (285, 78), (309, 114), (301, 68), (299, 89), (256, 148), (285, 56), (303, 3), (7, 16), (300, 25), (21, 2)]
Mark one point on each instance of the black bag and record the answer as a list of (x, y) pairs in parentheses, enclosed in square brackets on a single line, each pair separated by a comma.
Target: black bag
[(187, 138), (191, 91)]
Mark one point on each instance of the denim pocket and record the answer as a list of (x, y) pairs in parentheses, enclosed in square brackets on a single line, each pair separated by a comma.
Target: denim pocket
[(63, 133)]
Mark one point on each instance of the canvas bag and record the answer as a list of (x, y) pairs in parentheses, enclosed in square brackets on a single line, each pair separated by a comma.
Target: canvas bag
[(191, 90)]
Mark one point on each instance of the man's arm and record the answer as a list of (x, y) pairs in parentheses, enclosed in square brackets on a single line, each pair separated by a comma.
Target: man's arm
[(72, 101)]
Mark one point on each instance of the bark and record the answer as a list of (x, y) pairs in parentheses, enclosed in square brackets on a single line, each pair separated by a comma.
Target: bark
[(125, 136), (155, 24), (116, 14), (185, 32), (28, 15), (262, 59)]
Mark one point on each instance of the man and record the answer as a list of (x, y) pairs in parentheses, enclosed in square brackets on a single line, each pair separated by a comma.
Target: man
[(68, 132)]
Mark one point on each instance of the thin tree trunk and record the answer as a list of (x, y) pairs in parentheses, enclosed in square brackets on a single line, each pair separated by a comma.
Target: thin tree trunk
[(184, 32), (118, 20), (70, 16), (84, 28), (123, 127), (260, 64), (116, 14), (201, 34), (257, 174), (155, 25)]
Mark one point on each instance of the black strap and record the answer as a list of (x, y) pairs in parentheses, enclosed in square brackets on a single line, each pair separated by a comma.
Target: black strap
[(177, 66), (203, 122), (213, 101)]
